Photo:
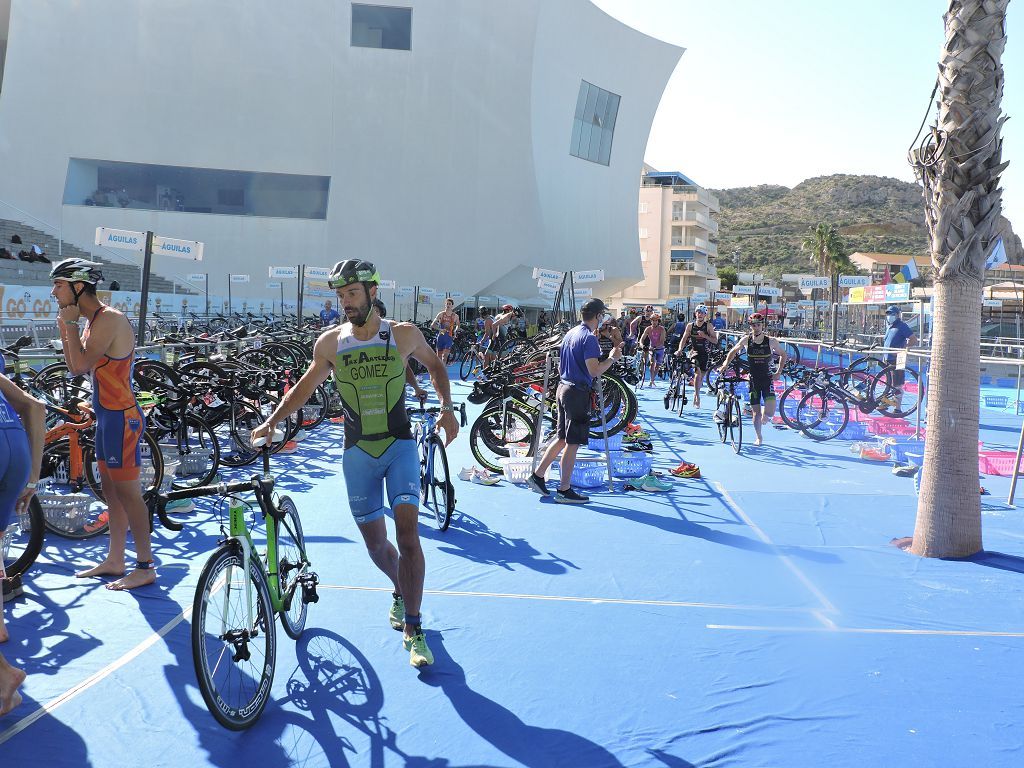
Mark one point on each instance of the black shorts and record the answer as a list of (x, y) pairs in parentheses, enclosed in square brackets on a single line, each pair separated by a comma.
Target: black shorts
[(762, 390), (701, 359), (573, 414)]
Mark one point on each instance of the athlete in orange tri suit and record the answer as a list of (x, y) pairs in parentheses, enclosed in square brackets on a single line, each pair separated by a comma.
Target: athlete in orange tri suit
[(106, 351)]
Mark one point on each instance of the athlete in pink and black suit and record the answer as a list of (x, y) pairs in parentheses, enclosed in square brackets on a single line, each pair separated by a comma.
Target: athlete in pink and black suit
[(106, 351)]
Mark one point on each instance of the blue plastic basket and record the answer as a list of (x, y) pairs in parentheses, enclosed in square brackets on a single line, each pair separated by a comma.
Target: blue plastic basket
[(630, 464), (855, 430), (587, 473), (903, 451), (996, 401), (614, 443)]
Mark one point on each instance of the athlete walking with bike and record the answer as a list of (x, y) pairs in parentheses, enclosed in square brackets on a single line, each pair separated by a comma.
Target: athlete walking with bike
[(701, 335), (760, 347), (367, 356), (106, 351)]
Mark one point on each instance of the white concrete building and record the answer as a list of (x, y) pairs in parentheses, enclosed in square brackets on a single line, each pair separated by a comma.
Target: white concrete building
[(456, 143)]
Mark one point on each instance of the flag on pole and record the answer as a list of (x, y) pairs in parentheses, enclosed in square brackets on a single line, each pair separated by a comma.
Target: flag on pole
[(997, 256), (886, 276), (908, 272)]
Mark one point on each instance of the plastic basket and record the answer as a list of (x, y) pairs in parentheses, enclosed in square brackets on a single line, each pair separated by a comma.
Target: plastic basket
[(66, 511), (854, 430), (903, 451), (518, 450), (630, 464), (517, 469), (614, 443), (996, 462), (197, 462), (588, 473), (996, 401), (889, 426)]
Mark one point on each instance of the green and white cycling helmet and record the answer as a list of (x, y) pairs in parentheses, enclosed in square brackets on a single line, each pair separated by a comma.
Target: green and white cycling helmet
[(353, 271), (77, 271)]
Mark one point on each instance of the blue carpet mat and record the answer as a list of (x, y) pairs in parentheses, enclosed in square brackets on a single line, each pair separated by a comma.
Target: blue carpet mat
[(756, 617)]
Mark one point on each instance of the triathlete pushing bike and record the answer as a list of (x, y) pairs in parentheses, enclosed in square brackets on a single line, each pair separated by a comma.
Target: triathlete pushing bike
[(760, 348), (367, 356)]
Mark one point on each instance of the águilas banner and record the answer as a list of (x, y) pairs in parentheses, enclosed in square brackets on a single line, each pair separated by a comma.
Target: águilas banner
[(319, 272), (810, 283), (125, 239), (854, 281), (547, 274), (182, 249), (589, 276), (283, 272)]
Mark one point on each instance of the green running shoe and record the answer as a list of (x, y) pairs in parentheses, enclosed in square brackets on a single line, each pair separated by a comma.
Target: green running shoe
[(419, 652), (651, 484), (397, 614)]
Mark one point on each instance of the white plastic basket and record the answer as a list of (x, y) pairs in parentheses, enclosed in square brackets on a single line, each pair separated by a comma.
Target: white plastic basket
[(516, 469), (66, 511)]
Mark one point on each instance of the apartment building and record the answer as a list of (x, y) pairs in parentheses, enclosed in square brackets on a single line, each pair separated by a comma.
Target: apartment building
[(678, 232)]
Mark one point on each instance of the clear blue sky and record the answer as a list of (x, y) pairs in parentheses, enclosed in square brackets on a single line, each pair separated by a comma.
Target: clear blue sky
[(778, 92)]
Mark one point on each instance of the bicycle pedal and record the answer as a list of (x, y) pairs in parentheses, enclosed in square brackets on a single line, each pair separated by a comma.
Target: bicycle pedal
[(309, 582)]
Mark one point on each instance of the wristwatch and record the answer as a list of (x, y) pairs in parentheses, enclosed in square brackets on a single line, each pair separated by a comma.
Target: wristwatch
[(447, 409), (32, 486)]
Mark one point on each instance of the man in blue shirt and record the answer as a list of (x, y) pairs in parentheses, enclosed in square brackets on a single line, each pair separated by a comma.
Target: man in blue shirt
[(578, 364), (898, 336), (329, 315), (719, 323)]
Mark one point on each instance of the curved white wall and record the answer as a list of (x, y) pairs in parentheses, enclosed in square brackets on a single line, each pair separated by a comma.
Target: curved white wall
[(449, 163)]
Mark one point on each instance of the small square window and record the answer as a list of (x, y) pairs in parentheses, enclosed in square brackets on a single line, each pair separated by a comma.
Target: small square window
[(381, 26), (643, 233)]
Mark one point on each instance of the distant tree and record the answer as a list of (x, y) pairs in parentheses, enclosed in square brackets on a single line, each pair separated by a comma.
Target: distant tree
[(959, 164), (728, 277), (828, 254)]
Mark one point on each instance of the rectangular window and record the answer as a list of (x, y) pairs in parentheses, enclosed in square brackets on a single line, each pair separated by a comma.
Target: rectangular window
[(140, 186), (381, 26), (643, 233), (643, 255), (593, 125), (644, 208)]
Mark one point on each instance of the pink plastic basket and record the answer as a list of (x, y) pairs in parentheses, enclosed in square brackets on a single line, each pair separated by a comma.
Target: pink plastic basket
[(997, 462), (887, 426)]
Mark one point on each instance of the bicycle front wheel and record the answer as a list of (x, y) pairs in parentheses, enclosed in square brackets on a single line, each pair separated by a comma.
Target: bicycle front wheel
[(291, 564), (437, 490), (494, 429), (234, 646), (22, 541), (736, 425), (822, 416)]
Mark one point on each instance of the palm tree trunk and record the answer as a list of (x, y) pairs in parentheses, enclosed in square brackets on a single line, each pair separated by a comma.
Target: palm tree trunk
[(949, 507), (959, 165)]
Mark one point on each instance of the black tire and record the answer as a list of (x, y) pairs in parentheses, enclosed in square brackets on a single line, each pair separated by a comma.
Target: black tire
[(620, 406), (490, 434), (822, 416), (154, 376), (234, 434), (467, 364), (291, 564), (436, 489), (735, 425), (199, 438), (22, 542), (898, 402), (235, 690), (315, 409), (792, 394)]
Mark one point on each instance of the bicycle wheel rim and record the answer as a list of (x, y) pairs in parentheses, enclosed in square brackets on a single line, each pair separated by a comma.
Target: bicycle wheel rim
[(736, 426), (291, 564), (441, 490), (22, 540), (490, 434), (235, 691), (198, 441)]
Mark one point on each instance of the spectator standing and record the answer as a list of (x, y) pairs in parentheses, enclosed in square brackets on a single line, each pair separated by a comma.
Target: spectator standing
[(578, 364), (329, 315), (719, 323)]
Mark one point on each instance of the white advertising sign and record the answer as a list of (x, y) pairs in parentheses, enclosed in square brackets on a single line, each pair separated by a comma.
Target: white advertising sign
[(125, 239), (197, 277), (723, 295), (991, 302), (319, 272), (589, 276), (770, 290), (810, 283), (854, 281), (751, 277), (181, 249), (239, 278), (389, 284), (403, 292), (284, 272), (483, 299), (548, 274), (699, 297), (456, 295), (550, 285), (424, 291), (584, 293), (548, 294), (743, 290), (273, 285)]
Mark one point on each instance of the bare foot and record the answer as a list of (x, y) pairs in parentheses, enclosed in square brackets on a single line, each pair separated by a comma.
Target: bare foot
[(9, 685), (106, 568), (140, 577), (4, 634), (758, 441)]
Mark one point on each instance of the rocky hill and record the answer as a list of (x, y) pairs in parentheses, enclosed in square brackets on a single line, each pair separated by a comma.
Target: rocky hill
[(761, 227)]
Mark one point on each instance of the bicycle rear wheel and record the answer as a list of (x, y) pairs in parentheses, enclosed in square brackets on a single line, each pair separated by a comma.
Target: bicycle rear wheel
[(22, 540), (234, 657), (437, 491), (467, 364), (492, 431), (291, 564)]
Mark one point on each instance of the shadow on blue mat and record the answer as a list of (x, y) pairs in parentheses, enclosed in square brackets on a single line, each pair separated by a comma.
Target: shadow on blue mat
[(471, 539), (529, 745), (998, 560)]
